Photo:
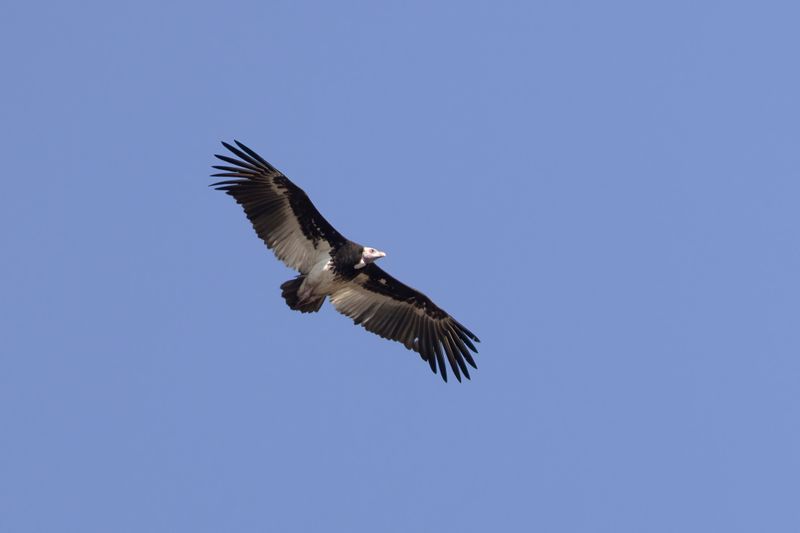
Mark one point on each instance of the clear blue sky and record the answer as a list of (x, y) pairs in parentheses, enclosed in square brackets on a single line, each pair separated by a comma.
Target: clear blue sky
[(605, 192)]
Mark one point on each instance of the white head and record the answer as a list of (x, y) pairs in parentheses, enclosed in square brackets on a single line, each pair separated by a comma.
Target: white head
[(368, 255)]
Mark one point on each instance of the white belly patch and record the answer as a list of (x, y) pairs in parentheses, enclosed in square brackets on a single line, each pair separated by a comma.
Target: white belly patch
[(319, 281)]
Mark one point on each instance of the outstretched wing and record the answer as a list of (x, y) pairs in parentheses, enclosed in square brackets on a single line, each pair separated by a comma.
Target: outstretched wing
[(393, 310), (280, 211)]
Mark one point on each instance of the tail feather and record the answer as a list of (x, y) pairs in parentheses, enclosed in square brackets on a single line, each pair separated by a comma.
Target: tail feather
[(289, 291)]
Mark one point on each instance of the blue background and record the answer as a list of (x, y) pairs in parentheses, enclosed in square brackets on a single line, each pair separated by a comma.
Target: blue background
[(605, 192)]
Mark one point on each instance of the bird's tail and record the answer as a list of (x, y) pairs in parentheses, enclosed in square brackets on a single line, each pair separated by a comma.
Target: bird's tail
[(289, 292)]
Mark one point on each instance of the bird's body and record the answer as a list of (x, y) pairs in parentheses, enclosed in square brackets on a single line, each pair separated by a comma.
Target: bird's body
[(331, 266), (321, 281)]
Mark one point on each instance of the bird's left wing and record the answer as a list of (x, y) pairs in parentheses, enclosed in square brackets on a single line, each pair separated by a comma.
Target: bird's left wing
[(385, 306), (280, 211)]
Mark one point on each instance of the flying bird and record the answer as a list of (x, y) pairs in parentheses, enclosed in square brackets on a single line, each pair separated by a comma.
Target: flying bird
[(332, 266)]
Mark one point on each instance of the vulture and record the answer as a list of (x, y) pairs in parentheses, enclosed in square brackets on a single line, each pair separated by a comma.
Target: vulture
[(334, 267)]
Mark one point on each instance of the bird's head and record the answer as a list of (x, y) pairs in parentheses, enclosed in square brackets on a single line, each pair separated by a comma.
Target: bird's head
[(368, 255), (371, 254)]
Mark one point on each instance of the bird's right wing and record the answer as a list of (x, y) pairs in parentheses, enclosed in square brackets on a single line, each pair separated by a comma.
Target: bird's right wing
[(389, 308), (280, 211)]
